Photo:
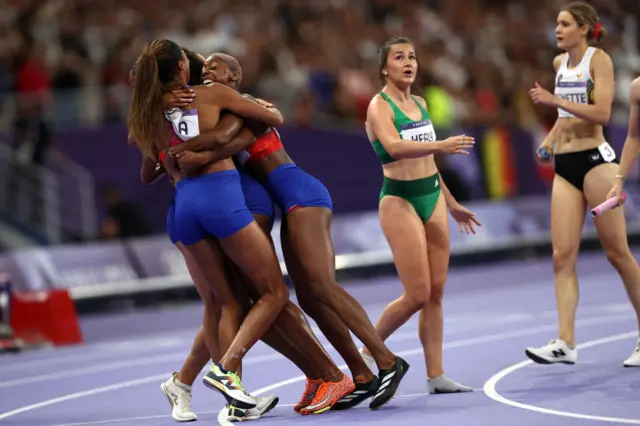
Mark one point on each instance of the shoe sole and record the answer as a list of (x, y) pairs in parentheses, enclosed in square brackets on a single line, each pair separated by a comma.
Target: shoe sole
[(212, 384), (354, 402), (324, 409), (271, 406), (539, 360), (394, 388), (163, 388)]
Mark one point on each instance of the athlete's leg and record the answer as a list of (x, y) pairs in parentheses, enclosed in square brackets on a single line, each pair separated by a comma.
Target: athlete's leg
[(227, 218), (568, 209), (309, 233), (405, 234), (328, 392), (611, 227), (251, 250), (291, 334), (178, 388), (200, 356), (431, 323), (310, 236), (327, 320)]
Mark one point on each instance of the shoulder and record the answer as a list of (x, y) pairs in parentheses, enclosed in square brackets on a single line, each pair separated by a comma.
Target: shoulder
[(421, 100), (635, 90), (210, 91), (557, 61), (601, 60), (378, 105)]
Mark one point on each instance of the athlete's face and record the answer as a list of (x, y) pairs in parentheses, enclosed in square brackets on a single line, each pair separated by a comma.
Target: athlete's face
[(402, 64), (569, 34), (216, 71)]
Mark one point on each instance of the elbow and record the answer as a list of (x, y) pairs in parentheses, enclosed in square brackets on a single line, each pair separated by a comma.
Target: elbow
[(222, 139), (278, 120), (605, 117), (394, 152)]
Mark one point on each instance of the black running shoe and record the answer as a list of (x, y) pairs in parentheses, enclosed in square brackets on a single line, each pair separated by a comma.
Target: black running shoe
[(389, 380), (361, 392)]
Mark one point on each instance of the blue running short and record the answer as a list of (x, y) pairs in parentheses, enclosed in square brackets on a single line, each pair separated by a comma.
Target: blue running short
[(212, 204), (257, 198), (171, 221), (292, 188)]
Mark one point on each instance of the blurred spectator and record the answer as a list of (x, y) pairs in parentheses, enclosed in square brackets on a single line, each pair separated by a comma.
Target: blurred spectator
[(314, 59), (125, 219)]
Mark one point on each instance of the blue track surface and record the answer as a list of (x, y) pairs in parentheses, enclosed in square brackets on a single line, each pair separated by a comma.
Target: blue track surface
[(491, 315)]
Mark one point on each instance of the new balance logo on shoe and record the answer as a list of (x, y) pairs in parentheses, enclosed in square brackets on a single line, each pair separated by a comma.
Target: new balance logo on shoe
[(558, 353)]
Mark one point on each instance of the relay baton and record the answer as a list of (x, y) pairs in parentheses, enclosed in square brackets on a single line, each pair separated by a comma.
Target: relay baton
[(607, 205)]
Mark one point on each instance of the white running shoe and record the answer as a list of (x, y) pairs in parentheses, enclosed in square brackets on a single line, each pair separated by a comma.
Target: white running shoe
[(557, 351), (180, 399), (634, 359), (263, 406), (368, 359)]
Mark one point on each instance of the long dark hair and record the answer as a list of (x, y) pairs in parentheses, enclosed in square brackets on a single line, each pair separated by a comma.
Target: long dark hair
[(156, 68)]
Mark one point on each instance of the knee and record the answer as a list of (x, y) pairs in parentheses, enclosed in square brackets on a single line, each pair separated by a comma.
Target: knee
[(618, 256), (437, 293), (564, 258), (279, 296), (319, 290), (211, 309)]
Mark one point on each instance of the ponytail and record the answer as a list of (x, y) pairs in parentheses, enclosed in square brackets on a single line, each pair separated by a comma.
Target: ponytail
[(145, 120)]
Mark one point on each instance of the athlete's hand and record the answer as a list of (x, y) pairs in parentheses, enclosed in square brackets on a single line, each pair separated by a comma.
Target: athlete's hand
[(190, 162), (178, 98), (541, 96), (263, 103), (616, 191), (457, 144), (466, 219), (544, 153)]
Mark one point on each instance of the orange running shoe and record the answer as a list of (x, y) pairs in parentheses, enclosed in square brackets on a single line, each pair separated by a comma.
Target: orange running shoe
[(328, 394), (308, 395)]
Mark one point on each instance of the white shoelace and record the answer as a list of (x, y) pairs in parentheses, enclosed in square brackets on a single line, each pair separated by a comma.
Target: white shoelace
[(185, 401)]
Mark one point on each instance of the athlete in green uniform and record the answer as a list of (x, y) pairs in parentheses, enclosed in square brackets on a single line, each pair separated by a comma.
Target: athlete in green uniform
[(413, 205)]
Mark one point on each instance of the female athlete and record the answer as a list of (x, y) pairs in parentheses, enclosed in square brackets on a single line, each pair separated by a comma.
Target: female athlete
[(161, 66), (306, 204), (628, 158), (413, 205), (585, 170)]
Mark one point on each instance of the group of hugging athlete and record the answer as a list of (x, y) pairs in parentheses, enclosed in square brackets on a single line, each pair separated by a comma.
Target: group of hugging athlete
[(221, 152)]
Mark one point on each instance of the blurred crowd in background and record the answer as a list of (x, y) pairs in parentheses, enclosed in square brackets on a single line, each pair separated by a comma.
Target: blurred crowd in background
[(316, 59), (64, 64)]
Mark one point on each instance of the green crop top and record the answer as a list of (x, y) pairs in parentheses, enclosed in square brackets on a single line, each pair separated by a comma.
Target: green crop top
[(419, 131)]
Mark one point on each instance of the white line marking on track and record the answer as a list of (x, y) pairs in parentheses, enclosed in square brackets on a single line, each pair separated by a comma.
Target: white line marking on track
[(179, 356), (455, 344), (448, 345), (490, 386), (166, 416)]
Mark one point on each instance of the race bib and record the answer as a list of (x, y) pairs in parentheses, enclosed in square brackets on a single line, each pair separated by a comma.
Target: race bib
[(420, 131), (607, 152)]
